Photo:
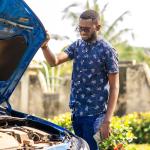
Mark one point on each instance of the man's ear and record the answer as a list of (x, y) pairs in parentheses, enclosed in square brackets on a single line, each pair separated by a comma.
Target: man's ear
[(98, 27)]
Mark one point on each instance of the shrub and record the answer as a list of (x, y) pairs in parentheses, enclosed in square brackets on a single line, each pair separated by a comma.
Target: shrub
[(119, 138), (133, 128), (138, 147), (121, 135), (63, 120), (140, 124)]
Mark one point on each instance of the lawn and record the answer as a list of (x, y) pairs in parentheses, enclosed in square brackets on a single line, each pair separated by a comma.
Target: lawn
[(139, 147)]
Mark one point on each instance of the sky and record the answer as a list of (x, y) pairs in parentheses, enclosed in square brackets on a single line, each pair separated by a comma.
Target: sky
[(50, 14)]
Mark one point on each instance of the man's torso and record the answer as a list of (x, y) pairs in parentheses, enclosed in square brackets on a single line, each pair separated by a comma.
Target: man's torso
[(89, 89)]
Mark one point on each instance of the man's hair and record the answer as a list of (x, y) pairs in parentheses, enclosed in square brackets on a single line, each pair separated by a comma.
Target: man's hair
[(90, 14)]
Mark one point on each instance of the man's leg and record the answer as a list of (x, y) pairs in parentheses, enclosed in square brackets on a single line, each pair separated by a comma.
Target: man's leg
[(77, 126), (88, 131), (86, 127)]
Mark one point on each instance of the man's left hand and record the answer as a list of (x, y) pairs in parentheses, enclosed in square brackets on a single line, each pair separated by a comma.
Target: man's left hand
[(105, 130)]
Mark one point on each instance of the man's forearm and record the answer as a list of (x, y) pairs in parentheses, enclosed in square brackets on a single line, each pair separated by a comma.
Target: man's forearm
[(113, 96), (111, 104), (50, 57)]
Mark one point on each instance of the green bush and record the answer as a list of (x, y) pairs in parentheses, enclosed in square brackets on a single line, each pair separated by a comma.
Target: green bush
[(140, 124), (121, 135), (121, 132), (132, 128), (138, 147), (63, 120)]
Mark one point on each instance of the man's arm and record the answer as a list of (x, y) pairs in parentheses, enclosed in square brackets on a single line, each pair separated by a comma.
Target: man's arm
[(52, 59), (113, 96)]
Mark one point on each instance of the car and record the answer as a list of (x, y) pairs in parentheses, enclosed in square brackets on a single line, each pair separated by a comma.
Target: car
[(21, 35)]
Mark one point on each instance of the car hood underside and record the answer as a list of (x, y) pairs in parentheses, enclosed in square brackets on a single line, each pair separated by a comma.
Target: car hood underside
[(21, 35)]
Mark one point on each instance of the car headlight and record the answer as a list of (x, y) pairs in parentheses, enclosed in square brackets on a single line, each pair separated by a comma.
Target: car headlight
[(78, 144)]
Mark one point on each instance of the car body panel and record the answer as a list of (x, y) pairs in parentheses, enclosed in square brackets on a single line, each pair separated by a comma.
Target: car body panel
[(17, 22)]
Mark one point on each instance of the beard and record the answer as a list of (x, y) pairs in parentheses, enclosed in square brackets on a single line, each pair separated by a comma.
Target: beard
[(92, 37)]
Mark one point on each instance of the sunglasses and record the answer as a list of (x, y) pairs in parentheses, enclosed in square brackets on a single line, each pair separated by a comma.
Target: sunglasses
[(84, 29)]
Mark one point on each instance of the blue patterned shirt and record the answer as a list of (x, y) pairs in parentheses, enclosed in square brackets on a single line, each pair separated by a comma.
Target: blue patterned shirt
[(92, 64)]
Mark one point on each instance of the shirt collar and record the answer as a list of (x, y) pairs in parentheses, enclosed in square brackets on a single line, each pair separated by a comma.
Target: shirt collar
[(93, 42)]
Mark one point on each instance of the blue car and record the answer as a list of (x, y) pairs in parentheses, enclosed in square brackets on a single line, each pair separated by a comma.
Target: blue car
[(21, 35)]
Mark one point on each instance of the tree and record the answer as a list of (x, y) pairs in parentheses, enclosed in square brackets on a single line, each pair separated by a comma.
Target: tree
[(108, 31)]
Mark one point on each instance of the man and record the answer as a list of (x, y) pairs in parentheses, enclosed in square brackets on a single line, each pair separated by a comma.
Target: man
[(95, 79)]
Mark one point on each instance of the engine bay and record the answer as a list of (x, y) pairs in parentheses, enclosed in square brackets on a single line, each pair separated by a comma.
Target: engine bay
[(18, 133)]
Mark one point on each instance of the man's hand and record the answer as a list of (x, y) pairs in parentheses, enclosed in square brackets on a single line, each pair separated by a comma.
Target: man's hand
[(45, 44), (105, 130)]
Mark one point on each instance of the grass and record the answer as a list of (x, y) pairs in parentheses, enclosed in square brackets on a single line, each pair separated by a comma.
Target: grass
[(138, 147)]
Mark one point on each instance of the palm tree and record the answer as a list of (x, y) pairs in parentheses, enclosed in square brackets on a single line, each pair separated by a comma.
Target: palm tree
[(108, 31)]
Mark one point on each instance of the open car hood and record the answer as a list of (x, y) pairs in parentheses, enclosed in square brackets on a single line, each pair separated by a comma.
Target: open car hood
[(21, 35)]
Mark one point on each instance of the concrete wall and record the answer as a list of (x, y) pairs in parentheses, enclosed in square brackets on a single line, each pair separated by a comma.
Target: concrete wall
[(134, 89), (39, 103), (134, 93)]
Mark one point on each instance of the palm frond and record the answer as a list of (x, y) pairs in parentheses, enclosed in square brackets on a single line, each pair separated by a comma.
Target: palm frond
[(104, 9), (87, 5), (58, 37), (120, 18), (69, 7), (117, 44), (96, 6), (133, 36), (117, 35), (66, 11), (74, 17)]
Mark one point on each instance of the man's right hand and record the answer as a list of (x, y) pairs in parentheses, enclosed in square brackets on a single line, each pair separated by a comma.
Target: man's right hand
[(51, 58), (45, 44)]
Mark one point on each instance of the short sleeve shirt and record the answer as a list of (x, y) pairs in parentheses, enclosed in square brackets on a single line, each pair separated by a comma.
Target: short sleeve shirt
[(92, 62)]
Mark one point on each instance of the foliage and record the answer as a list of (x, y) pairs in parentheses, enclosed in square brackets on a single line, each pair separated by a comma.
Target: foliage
[(140, 123), (110, 32), (121, 135), (53, 76), (138, 147), (132, 128), (133, 53), (63, 120)]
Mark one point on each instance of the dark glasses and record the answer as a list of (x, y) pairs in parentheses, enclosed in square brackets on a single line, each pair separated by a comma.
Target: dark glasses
[(84, 29)]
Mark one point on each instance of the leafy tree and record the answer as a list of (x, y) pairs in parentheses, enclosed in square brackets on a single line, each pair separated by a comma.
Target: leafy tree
[(108, 31)]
